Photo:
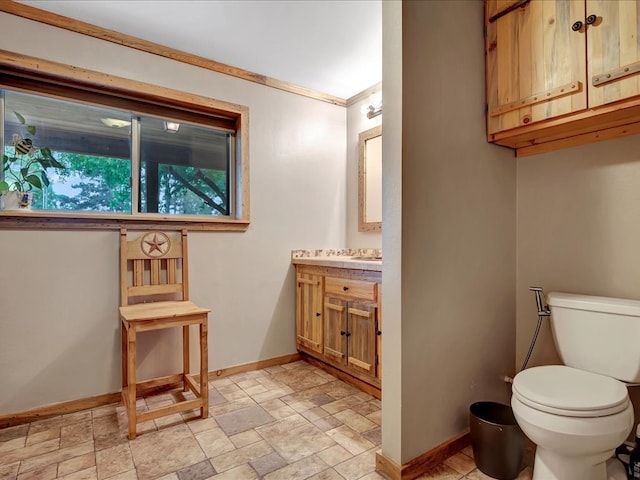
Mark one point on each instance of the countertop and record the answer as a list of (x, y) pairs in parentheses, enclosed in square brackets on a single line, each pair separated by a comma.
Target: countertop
[(344, 258)]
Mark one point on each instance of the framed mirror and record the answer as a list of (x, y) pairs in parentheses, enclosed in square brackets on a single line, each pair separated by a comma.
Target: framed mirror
[(370, 180)]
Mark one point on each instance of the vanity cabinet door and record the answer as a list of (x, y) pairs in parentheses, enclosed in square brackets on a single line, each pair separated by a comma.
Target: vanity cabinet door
[(335, 330), (309, 321), (362, 337)]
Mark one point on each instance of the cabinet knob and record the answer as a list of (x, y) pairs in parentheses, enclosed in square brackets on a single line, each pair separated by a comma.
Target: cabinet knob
[(318, 314), (591, 19), (345, 288), (348, 334), (576, 26), (343, 333), (379, 332)]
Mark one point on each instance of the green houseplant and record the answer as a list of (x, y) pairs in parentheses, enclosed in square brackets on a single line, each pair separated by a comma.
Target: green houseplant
[(25, 169)]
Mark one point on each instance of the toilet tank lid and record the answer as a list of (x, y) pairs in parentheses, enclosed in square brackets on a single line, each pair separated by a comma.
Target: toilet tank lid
[(622, 306)]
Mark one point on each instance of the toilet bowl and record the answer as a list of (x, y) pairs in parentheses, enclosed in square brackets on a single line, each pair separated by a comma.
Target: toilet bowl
[(575, 418), (579, 412)]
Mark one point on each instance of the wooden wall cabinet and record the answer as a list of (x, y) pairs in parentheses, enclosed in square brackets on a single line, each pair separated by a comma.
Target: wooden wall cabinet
[(561, 72), (338, 320)]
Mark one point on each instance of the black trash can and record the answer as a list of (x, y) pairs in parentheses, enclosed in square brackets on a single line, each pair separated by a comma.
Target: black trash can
[(496, 439)]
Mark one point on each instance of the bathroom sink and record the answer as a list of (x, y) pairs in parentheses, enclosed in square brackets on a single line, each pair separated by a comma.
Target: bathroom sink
[(367, 258)]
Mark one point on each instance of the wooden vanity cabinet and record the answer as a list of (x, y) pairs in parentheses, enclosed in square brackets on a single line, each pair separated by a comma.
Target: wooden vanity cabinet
[(561, 72), (346, 336)]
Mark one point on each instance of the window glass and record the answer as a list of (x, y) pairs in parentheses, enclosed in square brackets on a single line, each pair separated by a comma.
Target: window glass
[(184, 168)]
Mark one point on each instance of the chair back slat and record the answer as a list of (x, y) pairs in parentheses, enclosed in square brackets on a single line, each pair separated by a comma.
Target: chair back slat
[(171, 270), (155, 271), (153, 267), (138, 272)]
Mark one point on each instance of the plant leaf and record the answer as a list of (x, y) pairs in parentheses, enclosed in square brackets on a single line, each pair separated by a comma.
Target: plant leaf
[(24, 171), (20, 118), (45, 178), (4, 186), (31, 129), (49, 160), (44, 162), (34, 180), (47, 163)]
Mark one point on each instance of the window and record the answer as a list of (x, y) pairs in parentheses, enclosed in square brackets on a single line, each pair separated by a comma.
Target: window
[(126, 156), (93, 144)]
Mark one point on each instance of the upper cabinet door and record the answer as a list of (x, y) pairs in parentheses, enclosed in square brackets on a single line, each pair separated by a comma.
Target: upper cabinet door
[(536, 66), (613, 46)]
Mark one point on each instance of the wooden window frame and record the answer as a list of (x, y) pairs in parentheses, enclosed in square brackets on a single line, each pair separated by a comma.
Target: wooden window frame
[(16, 68)]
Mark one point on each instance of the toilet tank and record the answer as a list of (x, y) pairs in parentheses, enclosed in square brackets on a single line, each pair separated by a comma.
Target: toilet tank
[(597, 334)]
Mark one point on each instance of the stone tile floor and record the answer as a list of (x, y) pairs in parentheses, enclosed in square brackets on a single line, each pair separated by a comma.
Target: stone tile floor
[(287, 422)]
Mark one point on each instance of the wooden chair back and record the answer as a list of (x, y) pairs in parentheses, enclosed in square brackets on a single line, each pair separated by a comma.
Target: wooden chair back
[(153, 267)]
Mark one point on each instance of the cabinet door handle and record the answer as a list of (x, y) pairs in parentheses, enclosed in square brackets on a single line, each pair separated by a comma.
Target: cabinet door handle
[(576, 26), (591, 19)]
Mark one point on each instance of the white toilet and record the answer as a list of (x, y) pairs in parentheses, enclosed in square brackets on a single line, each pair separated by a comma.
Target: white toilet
[(579, 412)]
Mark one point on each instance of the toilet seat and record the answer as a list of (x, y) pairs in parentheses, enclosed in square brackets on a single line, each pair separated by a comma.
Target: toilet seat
[(570, 392)]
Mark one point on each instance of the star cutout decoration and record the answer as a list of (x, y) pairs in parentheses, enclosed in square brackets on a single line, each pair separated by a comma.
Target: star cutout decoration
[(155, 244)]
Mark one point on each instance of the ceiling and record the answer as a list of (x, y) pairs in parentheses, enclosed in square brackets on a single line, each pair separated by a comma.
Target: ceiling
[(332, 46)]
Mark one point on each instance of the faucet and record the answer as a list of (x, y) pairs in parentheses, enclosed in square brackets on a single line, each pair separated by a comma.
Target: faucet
[(542, 310)]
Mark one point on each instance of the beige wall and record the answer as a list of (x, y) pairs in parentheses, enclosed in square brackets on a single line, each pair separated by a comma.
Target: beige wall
[(392, 230), (457, 235), (59, 335), (578, 231), (357, 122)]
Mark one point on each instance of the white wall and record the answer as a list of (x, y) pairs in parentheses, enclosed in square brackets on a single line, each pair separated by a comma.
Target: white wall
[(457, 235), (357, 122), (59, 325), (578, 232)]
